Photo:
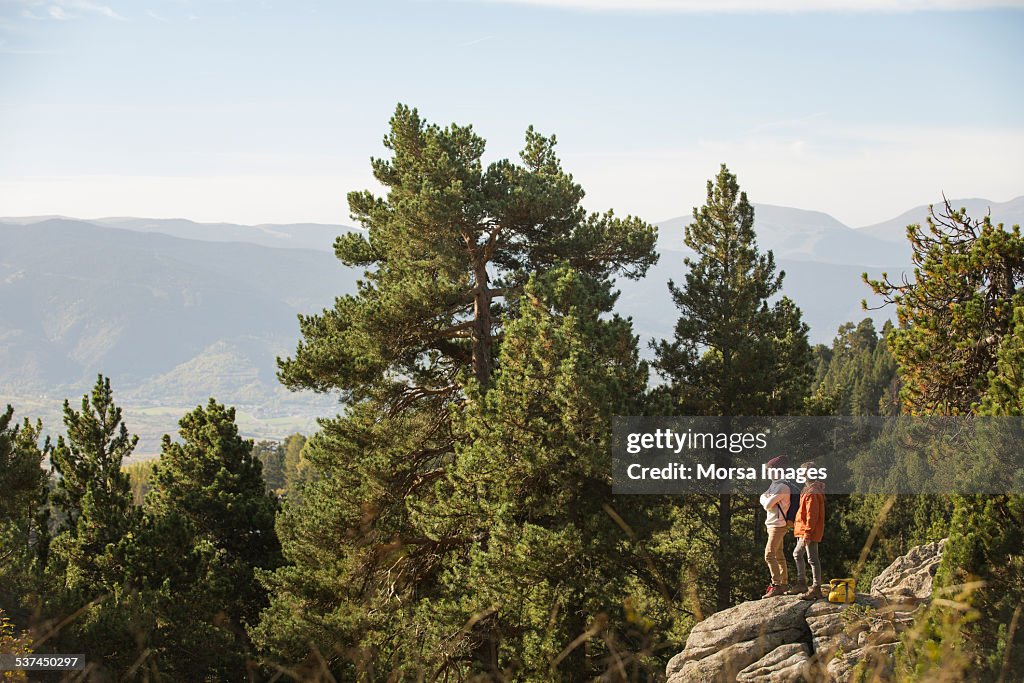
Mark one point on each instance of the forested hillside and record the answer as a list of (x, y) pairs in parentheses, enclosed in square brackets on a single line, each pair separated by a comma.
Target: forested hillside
[(454, 519)]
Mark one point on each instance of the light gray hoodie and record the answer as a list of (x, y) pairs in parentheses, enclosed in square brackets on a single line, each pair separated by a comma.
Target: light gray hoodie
[(775, 502)]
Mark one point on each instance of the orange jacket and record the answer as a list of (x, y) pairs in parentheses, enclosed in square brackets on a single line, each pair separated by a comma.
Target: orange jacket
[(810, 518)]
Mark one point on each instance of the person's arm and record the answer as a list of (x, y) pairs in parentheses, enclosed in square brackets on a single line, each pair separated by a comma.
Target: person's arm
[(773, 496)]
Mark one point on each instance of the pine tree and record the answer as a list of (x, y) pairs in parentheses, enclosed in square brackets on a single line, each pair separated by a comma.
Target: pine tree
[(987, 541), (355, 562), (1005, 392), (271, 456), (24, 509), (732, 353), (959, 351), (295, 466), (93, 493), (209, 528), (954, 314), (97, 523), (448, 244), (447, 252), (859, 373), (537, 586), (21, 466)]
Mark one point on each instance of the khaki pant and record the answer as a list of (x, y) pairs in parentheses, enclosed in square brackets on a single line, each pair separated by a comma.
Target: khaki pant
[(774, 556)]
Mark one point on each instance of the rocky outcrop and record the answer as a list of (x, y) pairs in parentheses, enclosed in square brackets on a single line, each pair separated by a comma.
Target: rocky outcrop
[(727, 642), (785, 639), (784, 664), (864, 634), (910, 575)]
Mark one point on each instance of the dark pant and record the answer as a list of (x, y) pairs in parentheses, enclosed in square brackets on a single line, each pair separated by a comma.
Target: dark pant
[(811, 548)]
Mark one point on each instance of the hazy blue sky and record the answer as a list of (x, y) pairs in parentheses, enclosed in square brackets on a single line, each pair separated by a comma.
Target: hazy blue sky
[(255, 111)]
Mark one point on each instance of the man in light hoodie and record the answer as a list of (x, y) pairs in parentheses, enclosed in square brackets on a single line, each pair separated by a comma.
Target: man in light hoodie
[(775, 501)]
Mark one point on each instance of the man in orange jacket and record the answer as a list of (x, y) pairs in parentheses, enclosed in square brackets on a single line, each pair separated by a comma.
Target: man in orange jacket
[(809, 529)]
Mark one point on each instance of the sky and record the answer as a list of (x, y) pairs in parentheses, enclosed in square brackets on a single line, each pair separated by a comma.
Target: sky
[(258, 111)]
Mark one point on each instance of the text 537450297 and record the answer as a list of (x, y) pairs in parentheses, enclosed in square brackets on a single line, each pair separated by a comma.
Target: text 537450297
[(29, 662)]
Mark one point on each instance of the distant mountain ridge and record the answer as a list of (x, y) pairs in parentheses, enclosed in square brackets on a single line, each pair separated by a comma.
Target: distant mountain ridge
[(318, 236), (894, 230), (176, 311), (172, 321), (797, 234), (791, 233)]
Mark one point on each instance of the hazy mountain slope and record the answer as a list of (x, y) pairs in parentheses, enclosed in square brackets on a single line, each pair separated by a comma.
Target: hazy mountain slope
[(827, 294), (894, 230), (77, 298), (318, 236), (172, 319), (799, 235), (175, 312), (239, 367)]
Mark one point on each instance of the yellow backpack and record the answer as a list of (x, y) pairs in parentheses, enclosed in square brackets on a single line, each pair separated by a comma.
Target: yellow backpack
[(842, 590)]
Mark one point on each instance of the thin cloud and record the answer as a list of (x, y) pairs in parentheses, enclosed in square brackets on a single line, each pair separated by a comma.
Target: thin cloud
[(154, 15), (768, 6), (62, 10), (91, 7), (477, 41)]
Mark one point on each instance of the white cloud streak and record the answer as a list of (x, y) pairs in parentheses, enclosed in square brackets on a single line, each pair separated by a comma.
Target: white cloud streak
[(62, 10), (475, 41), (91, 7), (768, 6)]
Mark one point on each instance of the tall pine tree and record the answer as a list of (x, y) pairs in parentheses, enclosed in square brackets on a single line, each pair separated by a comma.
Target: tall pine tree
[(209, 529), (956, 311), (24, 509), (959, 352), (449, 243), (447, 252), (734, 351), (96, 524), (92, 493), (538, 584)]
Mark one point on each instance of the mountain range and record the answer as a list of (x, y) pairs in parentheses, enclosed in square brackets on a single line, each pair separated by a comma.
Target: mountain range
[(176, 311)]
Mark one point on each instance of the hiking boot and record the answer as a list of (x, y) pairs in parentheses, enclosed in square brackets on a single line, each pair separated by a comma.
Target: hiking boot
[(814, 593), (797, 588), (775, 591)]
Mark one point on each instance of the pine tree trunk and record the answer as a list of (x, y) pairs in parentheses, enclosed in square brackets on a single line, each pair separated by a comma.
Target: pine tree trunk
[(724, 589), (724, 539), (483, 363)]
